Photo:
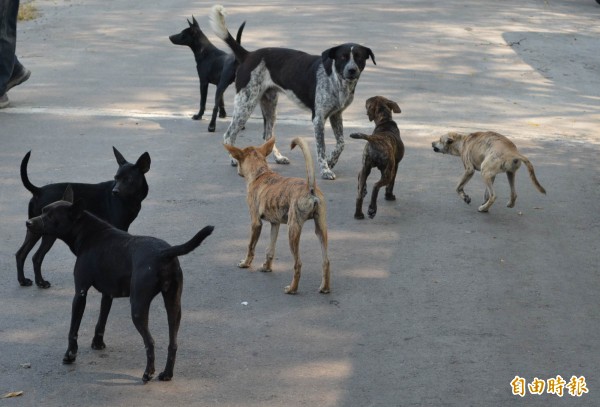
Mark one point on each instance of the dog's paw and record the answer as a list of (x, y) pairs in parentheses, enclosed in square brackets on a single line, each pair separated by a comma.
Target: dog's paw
[(165, 377), (98, 343), (282, 160), (42, 283), (288, 290), (467, 199), (510, 204), (390, 197), (26, 282), (324, 290), (244, 264), (483, 209), (359, 215), (212, 127), (222, 114), (69, 357), (265, 269), (372, 212), (327, 174), (197, 117)]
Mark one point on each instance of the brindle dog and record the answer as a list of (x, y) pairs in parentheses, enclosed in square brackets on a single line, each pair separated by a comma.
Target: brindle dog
[(384, 150)]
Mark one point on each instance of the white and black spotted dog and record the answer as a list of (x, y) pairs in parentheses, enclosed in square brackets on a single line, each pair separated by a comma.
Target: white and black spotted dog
[(323, 84)]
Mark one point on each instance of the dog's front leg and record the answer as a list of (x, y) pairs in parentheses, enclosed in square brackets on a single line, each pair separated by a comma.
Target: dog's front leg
[(77, 310), (271, 250), (461, 185), (38, 258), (338, 131), (30, 241), (203, 94), (255, 229), (319, 126), (105, 305), (244, 103)]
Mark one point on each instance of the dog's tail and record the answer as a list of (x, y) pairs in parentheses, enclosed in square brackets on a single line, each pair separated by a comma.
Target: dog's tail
[(238, 37), (194, 242), (532, 174), (310, 169), (25, 179), (217, 23), (362, 136)]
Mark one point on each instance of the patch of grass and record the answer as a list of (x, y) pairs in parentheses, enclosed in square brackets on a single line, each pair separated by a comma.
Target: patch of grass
[(27, 11)]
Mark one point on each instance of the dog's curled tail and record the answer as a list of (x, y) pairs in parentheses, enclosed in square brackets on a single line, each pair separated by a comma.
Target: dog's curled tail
[(194, 242), (362, 136), (217, 23), (24, 178), (310, 169), (532, 174)]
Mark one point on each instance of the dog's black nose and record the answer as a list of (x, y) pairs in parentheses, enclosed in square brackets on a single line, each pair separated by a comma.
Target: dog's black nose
[(115, 191), (437, 150)]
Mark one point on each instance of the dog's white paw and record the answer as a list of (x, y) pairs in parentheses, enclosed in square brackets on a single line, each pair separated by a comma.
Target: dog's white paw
[(327, 174), (282, 160)]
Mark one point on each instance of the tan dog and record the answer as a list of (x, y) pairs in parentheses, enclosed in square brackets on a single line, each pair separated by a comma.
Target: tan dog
[(488, 152), (277, 200), (384, 150)]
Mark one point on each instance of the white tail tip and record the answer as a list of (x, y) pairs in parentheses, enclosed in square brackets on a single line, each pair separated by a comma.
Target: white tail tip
[(217, 21)]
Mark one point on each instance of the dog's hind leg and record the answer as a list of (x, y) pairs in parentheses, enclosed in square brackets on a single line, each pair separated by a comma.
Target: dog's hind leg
[(139, 314), (513, 193), (268, 105), (362, 191), (489, 185), (385, 179), (244, 104), (321, 232), (294, 231), (389, 189), (172, 299), (255, 230), (30, 240), (271, 250), (38, 258), (105, 305)]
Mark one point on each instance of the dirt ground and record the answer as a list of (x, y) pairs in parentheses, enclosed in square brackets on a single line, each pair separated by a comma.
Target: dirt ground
[(432, 303)]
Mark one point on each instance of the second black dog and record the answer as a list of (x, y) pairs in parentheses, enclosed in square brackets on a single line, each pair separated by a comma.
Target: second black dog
[(213, 66), (117, 202), (118, 265)]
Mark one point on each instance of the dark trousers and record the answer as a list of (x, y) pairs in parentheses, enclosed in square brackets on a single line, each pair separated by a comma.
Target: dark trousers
[(8, 41)]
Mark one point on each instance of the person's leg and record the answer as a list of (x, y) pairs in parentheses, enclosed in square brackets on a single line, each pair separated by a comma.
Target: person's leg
[(8, 41)]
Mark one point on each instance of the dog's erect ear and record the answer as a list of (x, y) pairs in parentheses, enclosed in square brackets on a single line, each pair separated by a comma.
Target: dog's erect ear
[(267, 148), (195, 22), (143, 163), (189, 22), (234, 151), (393, 106), (120, 159), (68, 194)]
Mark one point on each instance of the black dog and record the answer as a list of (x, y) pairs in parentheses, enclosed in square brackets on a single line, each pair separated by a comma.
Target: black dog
[(383, 151), (213, 66), (117, 202), (118, 265)]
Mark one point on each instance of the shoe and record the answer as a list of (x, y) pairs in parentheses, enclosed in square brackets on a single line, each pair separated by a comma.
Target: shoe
[(4, 101), (18, 78)]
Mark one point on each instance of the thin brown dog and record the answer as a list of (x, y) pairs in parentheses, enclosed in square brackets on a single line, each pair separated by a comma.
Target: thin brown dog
[(488, 152), (277, 199), (384, 150)]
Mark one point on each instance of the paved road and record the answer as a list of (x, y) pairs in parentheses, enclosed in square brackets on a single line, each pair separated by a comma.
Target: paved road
[(433, 304)]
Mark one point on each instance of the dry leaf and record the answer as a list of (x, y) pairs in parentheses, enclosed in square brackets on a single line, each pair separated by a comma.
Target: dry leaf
[(12, 394)]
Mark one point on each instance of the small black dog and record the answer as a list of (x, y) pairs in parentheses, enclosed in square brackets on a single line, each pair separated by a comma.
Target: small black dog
[(384, 150), (118, 265), (117, 202), (213, 66)]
